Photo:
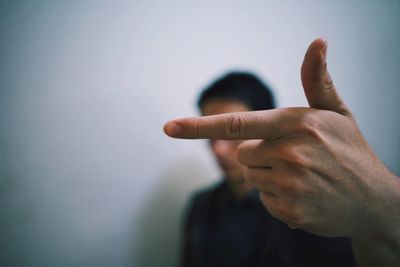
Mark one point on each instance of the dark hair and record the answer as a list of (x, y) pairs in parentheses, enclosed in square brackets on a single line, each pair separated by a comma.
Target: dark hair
[(243, 87)]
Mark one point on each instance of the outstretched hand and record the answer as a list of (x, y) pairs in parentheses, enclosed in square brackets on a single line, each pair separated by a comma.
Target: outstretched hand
[(312, 165)]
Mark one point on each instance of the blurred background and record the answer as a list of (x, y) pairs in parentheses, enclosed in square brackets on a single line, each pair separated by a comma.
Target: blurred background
[(87, 177)]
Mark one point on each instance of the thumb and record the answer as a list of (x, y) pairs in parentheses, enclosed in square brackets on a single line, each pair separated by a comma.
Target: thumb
[(317, 83)]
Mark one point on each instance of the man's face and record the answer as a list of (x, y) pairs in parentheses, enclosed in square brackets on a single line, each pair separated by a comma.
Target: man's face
[(225, 151)]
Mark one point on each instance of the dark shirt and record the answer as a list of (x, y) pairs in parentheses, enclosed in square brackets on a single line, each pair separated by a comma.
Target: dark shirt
[(223, 231)]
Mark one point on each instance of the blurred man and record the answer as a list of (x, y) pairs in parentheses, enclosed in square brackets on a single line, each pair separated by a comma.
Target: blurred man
[(226, 224)]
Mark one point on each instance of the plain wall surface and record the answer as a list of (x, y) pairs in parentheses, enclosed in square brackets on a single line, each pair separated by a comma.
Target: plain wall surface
[(87, 177)]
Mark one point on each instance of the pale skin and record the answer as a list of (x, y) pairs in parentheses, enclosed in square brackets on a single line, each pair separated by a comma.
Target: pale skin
[(313, 167), (225, 151)]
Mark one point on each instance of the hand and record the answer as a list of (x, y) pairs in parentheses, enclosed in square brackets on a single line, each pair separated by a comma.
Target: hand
[(313, 167)]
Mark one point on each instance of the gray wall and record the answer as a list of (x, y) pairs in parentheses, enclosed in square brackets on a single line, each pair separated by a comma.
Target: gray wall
[(87, 177)]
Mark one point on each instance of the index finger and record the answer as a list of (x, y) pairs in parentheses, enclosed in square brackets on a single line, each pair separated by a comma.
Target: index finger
[(266, 124)]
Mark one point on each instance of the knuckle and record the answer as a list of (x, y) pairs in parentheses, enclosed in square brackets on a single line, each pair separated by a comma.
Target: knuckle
[(306, 122), (287, 214), (289, 187), (309, 124), (329, 83), (233, 127), (293, 215), (196, 128), (296, 188), (289, 211), (295, 156)]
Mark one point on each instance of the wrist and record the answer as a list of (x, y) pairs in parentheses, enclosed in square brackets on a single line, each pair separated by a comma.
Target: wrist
[(379, 242)]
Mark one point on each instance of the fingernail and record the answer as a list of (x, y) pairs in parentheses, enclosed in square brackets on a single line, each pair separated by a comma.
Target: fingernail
[(172, 129)]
